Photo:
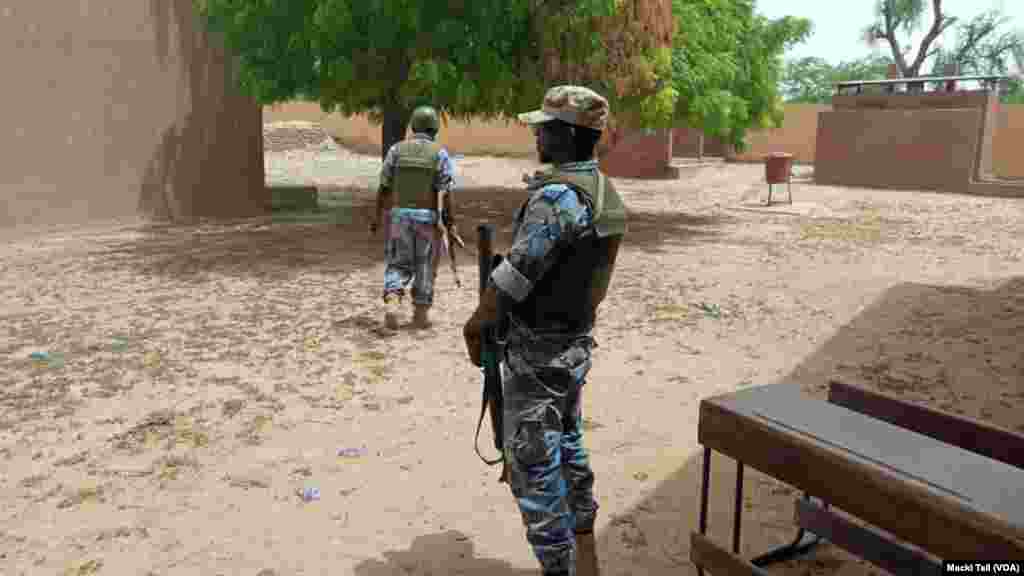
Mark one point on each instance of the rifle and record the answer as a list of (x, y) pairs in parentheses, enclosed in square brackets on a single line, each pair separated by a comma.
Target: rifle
[(490, 356), (447, 235)]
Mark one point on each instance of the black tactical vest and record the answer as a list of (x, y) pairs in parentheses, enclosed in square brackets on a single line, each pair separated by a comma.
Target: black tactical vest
[(414, 174), (563, 301)]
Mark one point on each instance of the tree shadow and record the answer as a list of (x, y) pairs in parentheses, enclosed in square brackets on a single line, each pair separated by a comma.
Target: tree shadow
[(662, 231), (955, 347), (439, 554), (336, 239), (648, 230), (254, 247)]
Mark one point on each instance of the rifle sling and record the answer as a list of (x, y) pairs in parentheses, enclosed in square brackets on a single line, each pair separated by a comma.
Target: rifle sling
[(485, 404), (476, 440)]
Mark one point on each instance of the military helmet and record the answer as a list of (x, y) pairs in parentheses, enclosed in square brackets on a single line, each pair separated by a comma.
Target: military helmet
[(424, 119)]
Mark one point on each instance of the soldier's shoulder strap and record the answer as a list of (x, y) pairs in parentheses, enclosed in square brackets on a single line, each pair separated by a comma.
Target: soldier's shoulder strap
[(609, 211)]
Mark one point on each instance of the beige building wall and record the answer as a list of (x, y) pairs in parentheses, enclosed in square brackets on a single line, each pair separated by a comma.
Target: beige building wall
[(797, 136), (112, 109), (1008, 142), (910, 149), (493, 137)]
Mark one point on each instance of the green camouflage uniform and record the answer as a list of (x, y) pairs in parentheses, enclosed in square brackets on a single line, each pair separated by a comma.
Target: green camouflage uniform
[(414, 171)]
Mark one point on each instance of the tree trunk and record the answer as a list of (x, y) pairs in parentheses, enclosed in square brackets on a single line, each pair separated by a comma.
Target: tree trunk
[(396, 122)]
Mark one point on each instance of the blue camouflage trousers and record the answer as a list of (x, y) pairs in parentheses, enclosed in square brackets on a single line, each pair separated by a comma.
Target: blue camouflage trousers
[(412, 251), (549, 468)]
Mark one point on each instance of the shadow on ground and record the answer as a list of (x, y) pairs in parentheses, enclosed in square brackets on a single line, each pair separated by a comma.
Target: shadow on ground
[(337, 238), (440, 554), (922, 342), (954, 347)]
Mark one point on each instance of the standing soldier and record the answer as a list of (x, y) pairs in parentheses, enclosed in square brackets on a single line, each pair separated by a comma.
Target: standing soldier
[(415, 184), (555, 275)]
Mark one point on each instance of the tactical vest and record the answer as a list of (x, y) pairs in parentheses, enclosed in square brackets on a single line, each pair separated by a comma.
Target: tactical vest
[(564, 300), (414, 174)]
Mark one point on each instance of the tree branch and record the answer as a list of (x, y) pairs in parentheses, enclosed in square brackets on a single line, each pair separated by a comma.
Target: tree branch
[(938, 25), (975, 34), (891, 25)]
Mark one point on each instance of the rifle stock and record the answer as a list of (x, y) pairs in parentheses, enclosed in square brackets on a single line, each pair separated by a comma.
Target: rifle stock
[(490, 351)]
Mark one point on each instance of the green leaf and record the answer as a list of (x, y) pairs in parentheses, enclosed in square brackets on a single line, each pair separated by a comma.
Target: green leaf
[(726, 63)]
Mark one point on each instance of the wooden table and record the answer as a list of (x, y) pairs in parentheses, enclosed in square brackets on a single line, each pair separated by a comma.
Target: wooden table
[(948, 502)]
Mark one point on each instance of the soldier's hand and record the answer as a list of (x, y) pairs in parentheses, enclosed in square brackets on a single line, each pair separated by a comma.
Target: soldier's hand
[(471, 333)]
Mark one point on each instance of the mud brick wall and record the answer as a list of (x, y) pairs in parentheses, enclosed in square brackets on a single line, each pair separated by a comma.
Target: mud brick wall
[(640, 155), (686, 144), (122, 109), (797, 136), (925, 141), (915, 149)]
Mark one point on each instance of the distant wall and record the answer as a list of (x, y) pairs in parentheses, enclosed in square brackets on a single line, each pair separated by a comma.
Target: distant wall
[(494, 137), (116, 109), (639, 154), (937, 140), (915, 149), (1008, 142), (797, 136), (686, 144)]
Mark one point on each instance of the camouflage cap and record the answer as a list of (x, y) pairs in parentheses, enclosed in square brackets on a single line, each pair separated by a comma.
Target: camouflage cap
[(573, 104)]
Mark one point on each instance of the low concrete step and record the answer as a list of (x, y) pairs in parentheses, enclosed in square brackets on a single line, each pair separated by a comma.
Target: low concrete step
[(998, 188), (289, 198), (682, 162)]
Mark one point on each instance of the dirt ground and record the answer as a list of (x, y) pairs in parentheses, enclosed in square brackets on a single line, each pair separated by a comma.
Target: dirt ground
[(189, 383)]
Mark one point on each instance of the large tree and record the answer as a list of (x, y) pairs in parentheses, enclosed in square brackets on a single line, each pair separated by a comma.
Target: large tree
[(727, 61), (478, 58), (981, 46), (811, 80), (625, 53)]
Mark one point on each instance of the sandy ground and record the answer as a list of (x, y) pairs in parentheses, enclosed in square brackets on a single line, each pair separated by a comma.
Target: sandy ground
[(198, 379)]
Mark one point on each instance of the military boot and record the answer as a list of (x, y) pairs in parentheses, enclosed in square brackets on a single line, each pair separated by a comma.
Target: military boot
[(586, 555), (421, 316), (392, 304)]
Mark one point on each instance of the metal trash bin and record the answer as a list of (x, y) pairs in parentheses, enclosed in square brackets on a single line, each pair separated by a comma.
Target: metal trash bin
[(778, 169)]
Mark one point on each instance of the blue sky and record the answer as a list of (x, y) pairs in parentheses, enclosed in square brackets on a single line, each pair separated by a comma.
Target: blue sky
[(838, 25)]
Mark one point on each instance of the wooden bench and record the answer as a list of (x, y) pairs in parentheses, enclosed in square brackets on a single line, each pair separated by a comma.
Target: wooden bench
[(950, 487)]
